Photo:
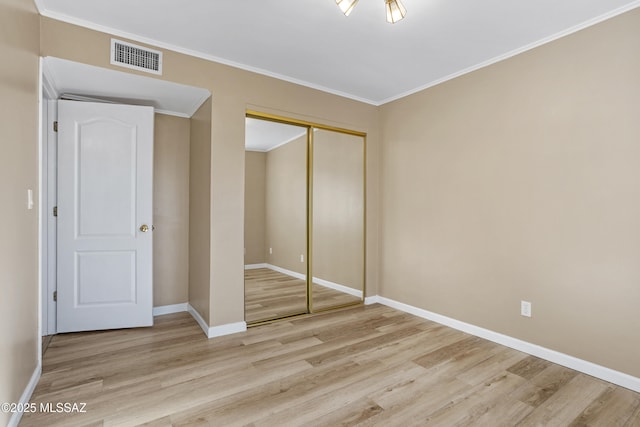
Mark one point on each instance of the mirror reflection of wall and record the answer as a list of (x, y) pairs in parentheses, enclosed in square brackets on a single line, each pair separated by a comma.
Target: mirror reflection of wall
[(338, 219), (275, 220)]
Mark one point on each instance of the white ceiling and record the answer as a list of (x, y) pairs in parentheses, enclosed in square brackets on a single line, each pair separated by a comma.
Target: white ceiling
[(67, 77), (264, 135), (361, 56)]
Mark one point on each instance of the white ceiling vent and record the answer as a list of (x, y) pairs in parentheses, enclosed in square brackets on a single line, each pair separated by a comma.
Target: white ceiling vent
[(136, 57)]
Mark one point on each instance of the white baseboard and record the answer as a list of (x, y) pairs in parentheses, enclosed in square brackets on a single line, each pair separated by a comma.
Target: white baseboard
[(372, 300), (285, 271), (337, 287), (194, 313), (228, 329), (327, 284), (216, 331), (169, 309), (254, 266), (589, 368), (26, 396)]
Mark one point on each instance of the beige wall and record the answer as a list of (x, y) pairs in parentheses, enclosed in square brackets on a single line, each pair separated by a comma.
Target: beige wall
[(286, 205), (233, 92), (18, 172), (338, 208), (200, 211), (171, 210), (520, 182), (254, 207)]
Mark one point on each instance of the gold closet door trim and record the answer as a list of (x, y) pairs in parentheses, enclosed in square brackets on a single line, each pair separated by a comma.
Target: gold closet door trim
[(309, 279)]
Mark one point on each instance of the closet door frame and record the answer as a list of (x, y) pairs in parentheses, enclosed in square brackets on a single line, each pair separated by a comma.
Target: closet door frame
[(309, 205)]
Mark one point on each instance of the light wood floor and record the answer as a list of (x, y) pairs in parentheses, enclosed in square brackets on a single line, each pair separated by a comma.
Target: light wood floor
[(270, 295), (368, 365)]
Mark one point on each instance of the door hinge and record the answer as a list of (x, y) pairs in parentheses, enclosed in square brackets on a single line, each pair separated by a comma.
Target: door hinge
[(55, 211), (55, 126), (55, 295)]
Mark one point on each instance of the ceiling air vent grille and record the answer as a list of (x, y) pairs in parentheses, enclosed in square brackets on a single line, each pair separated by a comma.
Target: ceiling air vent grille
[(135, 57)]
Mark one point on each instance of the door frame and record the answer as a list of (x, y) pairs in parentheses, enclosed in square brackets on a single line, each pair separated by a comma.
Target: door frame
[(48, 199)]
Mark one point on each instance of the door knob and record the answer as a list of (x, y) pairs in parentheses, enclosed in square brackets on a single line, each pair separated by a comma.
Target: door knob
[(144, 228)]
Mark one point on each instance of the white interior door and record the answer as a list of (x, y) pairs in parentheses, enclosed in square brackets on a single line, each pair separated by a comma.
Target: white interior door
[(105, 173)]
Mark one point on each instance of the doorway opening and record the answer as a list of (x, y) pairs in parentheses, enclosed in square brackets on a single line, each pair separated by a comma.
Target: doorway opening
[(173, 104)]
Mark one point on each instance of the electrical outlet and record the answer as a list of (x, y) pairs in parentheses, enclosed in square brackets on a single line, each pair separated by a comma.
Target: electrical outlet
[(525, 308), (301, 257), (270, 251)]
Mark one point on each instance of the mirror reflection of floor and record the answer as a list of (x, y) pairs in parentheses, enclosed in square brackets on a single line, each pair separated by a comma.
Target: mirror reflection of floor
[(270, 294)]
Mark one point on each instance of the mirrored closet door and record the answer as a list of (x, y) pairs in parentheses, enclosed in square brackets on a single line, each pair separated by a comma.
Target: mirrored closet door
[(275, 223), (337, 219), (304, 218)]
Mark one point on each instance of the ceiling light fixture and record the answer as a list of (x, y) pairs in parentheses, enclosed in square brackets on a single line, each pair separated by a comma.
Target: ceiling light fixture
[(395, 9), (346, 6)]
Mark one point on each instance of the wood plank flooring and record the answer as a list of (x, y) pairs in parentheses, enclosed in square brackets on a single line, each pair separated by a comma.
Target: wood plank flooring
[(367, 365), (270, 295)]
